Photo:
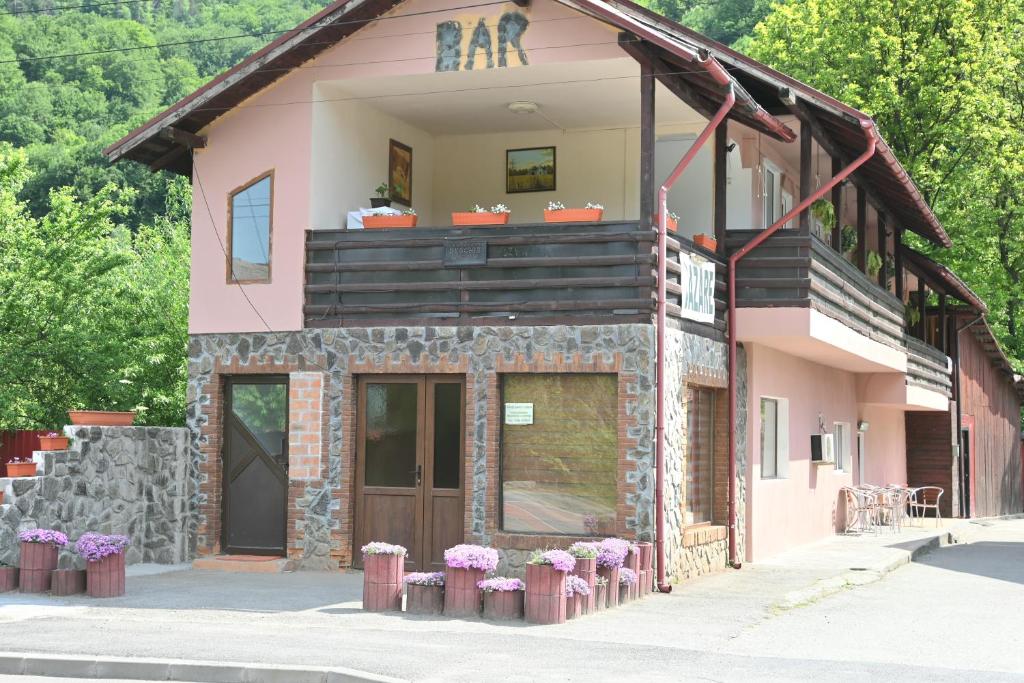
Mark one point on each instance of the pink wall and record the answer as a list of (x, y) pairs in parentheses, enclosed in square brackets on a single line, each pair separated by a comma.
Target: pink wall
[(886, 453), (802, 507), (273, 131)]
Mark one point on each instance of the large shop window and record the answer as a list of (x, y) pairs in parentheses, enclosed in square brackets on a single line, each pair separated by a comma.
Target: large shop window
[(700, 440), (250, 225), (559, 469), (774, 438)]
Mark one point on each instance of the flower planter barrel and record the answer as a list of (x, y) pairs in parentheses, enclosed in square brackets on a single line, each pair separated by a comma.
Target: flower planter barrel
[(105, 578), (600, 598), (633, 562), (545, 594), (646, 567), (462, 597), (38, 560), (67, 581), (502, 605), (612, 574), (625, 591), (382, 582), (424, 599), (586, 569), (8, 579), (574, 606)]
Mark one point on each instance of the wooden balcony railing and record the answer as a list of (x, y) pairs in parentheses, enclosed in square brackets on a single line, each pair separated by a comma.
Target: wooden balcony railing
[(544, 274), (927, 367)]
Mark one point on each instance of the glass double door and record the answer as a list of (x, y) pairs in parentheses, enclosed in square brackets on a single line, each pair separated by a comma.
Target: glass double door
[(409, 466)]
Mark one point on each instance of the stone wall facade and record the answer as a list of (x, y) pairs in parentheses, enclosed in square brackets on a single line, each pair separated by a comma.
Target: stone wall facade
[(113, 480)]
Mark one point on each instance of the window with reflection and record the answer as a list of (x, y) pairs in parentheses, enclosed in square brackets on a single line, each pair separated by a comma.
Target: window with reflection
[(558, 475), (250, 231)]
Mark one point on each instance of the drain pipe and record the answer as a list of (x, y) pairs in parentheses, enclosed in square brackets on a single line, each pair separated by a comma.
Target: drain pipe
[(734, 259), (659, 492)]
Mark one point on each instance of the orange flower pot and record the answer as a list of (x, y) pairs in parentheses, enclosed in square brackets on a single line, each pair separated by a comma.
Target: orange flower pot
[(671, 224), (706, 242), (403, 221), (101, 418), (479, 218), (573, 215), (53, 443), (21, 469)]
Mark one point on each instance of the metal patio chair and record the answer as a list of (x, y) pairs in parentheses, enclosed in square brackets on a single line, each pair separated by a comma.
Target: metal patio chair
[(864, 509), (925, 498)]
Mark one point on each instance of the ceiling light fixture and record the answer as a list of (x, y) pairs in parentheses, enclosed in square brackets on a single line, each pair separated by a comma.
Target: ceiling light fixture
[(523, 107)]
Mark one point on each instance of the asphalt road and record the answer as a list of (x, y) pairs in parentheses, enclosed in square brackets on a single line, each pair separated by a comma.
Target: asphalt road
[(953, 615)]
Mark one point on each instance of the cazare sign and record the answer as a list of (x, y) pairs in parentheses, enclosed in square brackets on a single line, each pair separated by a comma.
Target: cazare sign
[(697, 282)]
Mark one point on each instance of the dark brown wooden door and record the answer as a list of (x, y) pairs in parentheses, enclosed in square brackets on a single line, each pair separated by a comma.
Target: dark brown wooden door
[(409, 473), (255, 466)]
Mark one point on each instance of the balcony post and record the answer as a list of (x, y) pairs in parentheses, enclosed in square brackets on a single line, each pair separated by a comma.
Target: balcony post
[(922, 299), (943, 336), (883, 251), (837, 203), (897, 249), (647, 141), (862, 230), (721, 184), (806, 144)]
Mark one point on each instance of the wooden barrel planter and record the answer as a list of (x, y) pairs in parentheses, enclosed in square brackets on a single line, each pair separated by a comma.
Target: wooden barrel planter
[(8, 579), (633, 562), (105, 578), (625, 591), (38, 560), (574, 606), (424, 599), (600, 597), (462, 596), (612, 574), (67, 581), (545, 594), (382, 582), (646, 567), (503, 605), (586, 569)]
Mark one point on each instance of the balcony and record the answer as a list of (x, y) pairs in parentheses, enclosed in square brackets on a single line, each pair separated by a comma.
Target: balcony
[(538, 274), (799, 295)]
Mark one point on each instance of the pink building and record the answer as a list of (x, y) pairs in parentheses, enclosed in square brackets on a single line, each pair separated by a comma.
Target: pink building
[(528, 385)]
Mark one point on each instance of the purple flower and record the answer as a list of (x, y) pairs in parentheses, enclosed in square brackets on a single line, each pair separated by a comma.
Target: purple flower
[(612, 552), (465, 556), (378, 548), (574, 585), (500, 584), (43, 536), (559, 559), (94, 547), (425, 579), (627, 577), (584, 550)]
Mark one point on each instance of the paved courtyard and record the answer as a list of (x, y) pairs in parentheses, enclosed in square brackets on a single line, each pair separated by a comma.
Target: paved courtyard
[(953, 614)]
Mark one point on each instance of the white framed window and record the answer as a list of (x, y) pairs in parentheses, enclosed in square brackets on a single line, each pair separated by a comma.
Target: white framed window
[(841, 435), (771, 192), (774, 438), (786, 207)]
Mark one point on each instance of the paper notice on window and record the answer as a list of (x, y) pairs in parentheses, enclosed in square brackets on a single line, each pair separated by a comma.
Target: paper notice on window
[(519, 413)]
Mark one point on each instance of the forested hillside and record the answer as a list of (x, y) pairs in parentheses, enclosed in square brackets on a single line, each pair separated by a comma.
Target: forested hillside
[(93, 306)]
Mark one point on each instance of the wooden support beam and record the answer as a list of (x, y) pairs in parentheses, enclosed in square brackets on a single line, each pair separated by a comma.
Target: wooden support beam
[(721, 157), (943, 335), (922, 299), (168, 158), (648, 184), (183, 138), (862, 230), (667, 75), (837, 203), (900, 273), (806, 141), (883, 251)]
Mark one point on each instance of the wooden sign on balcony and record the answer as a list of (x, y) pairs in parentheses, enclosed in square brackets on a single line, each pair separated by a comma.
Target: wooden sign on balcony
[(464, 253), (697, 282)]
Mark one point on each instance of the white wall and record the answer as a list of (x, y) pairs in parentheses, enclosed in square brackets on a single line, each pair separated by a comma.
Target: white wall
[(692, 196)]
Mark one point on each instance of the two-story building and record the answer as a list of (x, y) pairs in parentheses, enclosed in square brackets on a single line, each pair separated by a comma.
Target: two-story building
[(529, 384)]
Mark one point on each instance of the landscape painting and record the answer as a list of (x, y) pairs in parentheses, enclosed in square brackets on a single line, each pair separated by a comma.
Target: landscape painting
[(400, 172), (530, 170)]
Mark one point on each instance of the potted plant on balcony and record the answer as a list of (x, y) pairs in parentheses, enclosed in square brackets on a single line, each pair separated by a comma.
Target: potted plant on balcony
[(8, 577), (545, 586), (627, 584), (406, 219), (557, 213), (39, 548), (424, 593), (466, 565), (383, 567), (706, 242), (671, 221), (102, 418), (825, 213), (848, 240), (21, 467), (600, 593), (911, 314), (874, 263), (503, 598), (586, 569), (53, 442), (382, 199), (104, 569), (577, 594), (611, 553), (496, 215)]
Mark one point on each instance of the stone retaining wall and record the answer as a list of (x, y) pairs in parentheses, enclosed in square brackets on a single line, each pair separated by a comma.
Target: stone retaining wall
[(113, 480)]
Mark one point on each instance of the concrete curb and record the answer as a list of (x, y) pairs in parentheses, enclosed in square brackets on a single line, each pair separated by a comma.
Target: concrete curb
[(77, 666)]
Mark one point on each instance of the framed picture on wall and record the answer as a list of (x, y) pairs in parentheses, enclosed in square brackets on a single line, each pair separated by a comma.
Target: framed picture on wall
[(530, 170), (400, 172)]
